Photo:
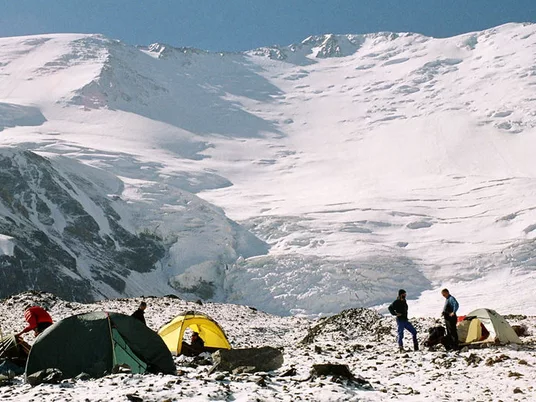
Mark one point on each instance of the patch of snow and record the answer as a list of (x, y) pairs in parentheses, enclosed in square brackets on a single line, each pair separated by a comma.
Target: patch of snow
[(7, 246)]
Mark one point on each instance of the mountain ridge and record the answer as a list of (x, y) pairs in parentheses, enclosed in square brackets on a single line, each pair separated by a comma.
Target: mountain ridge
[(356, 165)]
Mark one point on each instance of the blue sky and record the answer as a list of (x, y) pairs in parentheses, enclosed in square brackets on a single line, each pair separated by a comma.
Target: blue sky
[(246, 24)]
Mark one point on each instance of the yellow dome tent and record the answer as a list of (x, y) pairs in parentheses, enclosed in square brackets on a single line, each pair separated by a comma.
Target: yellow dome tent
[(212, 334)]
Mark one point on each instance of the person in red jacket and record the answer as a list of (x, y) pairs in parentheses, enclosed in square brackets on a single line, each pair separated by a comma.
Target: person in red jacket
[(38, 320)]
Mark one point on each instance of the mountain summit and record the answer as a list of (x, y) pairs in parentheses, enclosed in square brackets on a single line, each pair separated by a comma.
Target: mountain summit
[(300, 179)]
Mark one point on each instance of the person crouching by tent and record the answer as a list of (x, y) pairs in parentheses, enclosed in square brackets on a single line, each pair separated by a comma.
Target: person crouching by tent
[(399, 308), (140, 312), (449, 314), (195, 347), (37, 318)]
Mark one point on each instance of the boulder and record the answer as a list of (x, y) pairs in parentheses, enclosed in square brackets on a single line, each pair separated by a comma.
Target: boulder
[(520, 330), (290, 372), (266, 358), (47, 376), (134, 398), (338, 371), (83, 377)]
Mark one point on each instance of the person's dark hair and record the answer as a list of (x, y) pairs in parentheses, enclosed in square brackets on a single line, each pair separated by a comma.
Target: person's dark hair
[(401, 292), (445, 291), (143, 304)]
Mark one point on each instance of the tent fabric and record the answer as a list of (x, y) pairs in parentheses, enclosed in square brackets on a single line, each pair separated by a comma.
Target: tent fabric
[(14, 349), (463, 328), (470, 330), (474, 332), (212, 334), (8, 369), (123, 354), (95, 342)]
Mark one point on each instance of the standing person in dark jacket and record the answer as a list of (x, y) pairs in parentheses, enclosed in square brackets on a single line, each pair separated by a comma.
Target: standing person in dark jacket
[(449, 314), (140, 312), (399, 308)]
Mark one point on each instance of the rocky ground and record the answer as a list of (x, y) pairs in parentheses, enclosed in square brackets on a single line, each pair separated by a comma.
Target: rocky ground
[(359, 338)]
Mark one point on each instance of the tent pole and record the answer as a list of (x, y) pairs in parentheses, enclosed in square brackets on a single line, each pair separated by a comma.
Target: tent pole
[(111, 339)]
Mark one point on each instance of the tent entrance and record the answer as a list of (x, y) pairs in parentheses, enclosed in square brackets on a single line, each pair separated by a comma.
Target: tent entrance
[(474, 334), (123, 354)]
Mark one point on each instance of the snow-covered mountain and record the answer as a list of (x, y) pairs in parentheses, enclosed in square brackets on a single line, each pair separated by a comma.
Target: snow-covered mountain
[(299, 179)]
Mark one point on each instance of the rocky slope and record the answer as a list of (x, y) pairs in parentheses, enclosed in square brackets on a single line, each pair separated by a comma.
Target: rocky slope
[(359, 338), (58, 245)]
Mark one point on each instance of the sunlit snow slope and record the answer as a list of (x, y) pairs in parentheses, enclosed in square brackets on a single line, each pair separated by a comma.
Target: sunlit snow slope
[(366, 162)]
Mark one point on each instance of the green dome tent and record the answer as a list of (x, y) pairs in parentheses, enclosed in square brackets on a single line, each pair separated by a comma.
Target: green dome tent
[(95, 343)]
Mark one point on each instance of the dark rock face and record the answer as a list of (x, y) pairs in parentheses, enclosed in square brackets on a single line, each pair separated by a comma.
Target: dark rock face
[(252, 359), (59, 246)]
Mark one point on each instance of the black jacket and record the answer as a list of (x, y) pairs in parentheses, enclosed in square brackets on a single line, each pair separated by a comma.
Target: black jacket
[(139, 314), (198, 344), (399, 306)]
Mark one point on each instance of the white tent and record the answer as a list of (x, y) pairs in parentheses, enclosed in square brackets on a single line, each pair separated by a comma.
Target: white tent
[(473, 328)]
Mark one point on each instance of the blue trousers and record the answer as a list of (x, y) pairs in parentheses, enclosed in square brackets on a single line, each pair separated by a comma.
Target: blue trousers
[(405, 325)]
